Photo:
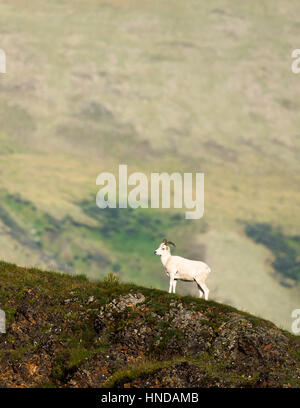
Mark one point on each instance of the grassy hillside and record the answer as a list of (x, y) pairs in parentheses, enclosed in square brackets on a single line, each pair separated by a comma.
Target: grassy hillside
[(161, 86), (65, 331)]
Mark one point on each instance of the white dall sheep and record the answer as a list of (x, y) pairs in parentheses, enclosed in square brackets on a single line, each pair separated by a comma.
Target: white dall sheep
[(178, 268)]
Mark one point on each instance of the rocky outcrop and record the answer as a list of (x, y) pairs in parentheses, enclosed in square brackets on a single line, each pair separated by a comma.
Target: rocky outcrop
[(63, 331)]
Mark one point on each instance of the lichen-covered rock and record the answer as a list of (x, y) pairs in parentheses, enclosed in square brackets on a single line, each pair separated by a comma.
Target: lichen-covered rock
[(242, 344), (178, 331)]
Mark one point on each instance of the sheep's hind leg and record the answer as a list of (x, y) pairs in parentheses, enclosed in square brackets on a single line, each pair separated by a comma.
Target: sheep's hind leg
[(206, 290), (201, 291)]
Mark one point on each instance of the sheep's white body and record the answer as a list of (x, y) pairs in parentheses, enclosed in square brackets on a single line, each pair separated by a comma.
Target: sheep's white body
[(178, 268), (186, 269)]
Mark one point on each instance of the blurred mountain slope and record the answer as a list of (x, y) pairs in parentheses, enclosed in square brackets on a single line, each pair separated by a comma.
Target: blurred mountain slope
[(161, 86)]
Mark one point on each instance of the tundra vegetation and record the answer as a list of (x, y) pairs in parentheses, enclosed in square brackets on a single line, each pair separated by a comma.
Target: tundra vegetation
[(65, 331)]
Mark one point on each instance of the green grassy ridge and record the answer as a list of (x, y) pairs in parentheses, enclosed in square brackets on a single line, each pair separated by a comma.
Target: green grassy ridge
[(18, 280), (145, 368), (49, 289), (211, 371)]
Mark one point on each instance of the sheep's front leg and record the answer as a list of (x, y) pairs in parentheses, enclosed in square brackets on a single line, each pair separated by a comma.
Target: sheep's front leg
[(171, 284), (174, 286)]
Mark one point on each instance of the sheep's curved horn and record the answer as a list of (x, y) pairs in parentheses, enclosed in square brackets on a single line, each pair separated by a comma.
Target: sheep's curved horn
[(164, 241), (172, 243)]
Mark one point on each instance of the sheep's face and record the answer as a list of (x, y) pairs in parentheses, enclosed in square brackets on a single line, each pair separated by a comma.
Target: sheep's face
[(163, 249)]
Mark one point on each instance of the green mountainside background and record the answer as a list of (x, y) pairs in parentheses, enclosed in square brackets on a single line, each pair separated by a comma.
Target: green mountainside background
[(190, 86)]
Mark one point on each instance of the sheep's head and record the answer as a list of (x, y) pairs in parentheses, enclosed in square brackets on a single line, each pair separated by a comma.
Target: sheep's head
[(164, 247)]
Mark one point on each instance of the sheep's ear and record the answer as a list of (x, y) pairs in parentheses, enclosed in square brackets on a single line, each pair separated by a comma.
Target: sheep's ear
[(172, 243), (164, 241)]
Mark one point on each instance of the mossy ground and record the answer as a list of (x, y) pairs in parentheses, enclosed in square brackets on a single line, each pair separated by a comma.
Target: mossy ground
[(65, 307)]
